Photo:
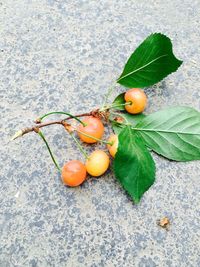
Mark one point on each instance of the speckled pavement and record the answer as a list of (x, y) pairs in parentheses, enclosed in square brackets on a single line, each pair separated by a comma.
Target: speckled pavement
[(63, 55)]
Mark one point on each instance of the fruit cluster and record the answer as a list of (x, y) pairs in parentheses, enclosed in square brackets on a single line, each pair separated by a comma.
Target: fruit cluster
[(90, 131), (172, 132)]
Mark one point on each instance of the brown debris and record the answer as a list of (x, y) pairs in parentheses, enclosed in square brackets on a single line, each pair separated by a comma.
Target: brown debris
[(102, 115), (38, 121), (164, 223), (119, 119)]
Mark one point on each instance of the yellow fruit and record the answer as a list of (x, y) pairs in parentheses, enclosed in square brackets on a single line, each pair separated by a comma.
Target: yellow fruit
[(113, 148), (97, 163)]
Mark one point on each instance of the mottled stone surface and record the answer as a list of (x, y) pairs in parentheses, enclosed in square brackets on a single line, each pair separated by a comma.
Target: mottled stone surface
[(63, 55)]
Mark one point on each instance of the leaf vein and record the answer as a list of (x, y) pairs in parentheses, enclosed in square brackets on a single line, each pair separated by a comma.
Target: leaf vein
[(142, 67)]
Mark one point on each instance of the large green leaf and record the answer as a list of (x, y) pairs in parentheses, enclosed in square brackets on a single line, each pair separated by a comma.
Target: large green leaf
[(152, 61), (173, 132), (133, 165), (128, 118)]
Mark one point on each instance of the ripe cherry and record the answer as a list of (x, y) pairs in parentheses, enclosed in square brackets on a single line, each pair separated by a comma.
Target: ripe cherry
[(94, 127), (138, 100), (97, 163), (113, 148), (73, 173)]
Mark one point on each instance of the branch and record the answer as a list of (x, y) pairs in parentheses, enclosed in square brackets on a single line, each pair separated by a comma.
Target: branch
[(96, 113), (39, 125)]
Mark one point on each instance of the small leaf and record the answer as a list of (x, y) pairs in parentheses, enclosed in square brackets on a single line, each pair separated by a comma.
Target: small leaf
[(119, 100), (152, 61), (128, 118), (173, 133), (133, 165)]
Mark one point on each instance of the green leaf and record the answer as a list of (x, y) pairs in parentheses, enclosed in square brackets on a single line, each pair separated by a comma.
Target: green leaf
[(117, 128), (119, 100), (128, 118), (133, 165), (152, 61), (173, 133)]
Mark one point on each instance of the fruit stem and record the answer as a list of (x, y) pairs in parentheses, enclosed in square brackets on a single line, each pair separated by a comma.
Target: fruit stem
[(117, 105), (79, 146), (49, 149), (111, 88), (59, 112), (90, 136), (120, 124)]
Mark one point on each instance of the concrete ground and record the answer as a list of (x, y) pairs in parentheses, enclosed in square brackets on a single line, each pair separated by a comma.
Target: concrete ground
[(63, 55)]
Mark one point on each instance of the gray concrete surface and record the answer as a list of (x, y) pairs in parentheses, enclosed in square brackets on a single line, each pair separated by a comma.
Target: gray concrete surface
[(63, 55)]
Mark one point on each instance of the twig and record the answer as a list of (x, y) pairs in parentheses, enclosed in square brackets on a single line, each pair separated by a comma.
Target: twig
[(39, 125)]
